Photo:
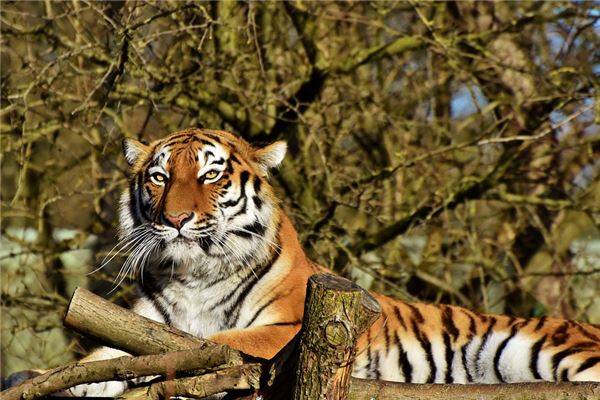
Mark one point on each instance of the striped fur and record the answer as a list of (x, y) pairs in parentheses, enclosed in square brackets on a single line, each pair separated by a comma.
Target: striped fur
[(217, 257)]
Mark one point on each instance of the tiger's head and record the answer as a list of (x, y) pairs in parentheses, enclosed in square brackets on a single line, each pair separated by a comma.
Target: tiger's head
[(199, 198)]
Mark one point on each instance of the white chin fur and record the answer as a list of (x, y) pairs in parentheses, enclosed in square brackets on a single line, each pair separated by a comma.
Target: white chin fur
[(183, 252)]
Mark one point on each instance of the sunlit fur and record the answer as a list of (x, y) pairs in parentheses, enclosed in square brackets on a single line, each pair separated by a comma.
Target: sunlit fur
[(234, 272)]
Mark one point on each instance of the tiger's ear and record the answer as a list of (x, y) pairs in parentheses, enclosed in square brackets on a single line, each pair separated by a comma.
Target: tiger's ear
[(133, 150), (271, 155)]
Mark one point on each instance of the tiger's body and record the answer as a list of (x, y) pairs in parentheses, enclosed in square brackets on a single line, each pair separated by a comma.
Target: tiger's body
[(217, 257)]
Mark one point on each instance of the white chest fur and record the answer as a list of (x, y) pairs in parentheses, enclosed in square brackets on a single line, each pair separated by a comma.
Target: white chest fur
[(189, 306), (196, 310)]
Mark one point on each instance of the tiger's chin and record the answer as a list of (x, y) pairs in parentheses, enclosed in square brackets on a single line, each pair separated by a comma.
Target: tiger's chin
[(184, 251)]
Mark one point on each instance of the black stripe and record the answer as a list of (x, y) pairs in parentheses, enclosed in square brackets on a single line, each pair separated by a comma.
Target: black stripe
[(259, 274), (590, 362), (416, 313), (561, 355), (464, 361), (261, 309), (587, 334), (472, 325), (285, 323), (369, 355), (233, 158), (376, 373), (257, 185), (386, 333), (133, 208), (564, 376), (449, 358), (248, 281), (499, 351), (448, 322), (152, 291), (177, 139), (243, 180), (484, 341), (250, 230), (561, 335), (214, 137), (540, 323), (142, 213), (231, 203), (242, 209), (143, 209), (426, 345), (257, 202), (403, 361), (399, 317), (535, 354), (216, 279)]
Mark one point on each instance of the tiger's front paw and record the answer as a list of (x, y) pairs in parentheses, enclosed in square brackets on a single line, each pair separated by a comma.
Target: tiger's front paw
[(100, 389)]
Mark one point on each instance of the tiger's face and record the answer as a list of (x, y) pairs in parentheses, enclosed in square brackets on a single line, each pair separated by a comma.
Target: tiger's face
[(199, 198)]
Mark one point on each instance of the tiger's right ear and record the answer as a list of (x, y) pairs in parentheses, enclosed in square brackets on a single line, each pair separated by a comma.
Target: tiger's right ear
[(133, 150)]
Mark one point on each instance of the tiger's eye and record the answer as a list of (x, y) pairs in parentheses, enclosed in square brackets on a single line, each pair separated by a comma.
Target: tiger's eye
[(211, 175), (158, 178)]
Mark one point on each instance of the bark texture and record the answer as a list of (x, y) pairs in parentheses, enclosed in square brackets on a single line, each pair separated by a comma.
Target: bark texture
[(108, 323), (336, 313), (367, 389)]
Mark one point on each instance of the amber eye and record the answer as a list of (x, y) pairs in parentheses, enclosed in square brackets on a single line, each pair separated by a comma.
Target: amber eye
[(158, 178), (211, 175)]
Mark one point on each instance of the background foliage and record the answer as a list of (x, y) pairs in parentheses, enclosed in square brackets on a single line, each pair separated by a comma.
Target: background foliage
[(444, 152)]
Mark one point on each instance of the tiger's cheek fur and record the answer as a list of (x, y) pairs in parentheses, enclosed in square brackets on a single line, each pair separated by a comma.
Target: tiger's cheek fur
[(151, 200)]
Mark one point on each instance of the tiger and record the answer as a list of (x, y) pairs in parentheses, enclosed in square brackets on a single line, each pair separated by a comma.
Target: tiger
[(215, 255)]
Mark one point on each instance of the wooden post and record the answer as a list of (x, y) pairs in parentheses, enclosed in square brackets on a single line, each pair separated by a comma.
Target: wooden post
[(336, 313)]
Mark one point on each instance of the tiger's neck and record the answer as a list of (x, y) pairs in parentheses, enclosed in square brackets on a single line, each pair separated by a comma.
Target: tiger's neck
[(203, 302)]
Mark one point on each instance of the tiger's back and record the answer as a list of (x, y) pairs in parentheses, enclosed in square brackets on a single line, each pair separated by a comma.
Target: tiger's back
[(425, 343)]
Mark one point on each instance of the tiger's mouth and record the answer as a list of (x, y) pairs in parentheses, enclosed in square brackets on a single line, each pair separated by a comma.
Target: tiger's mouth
[(203, 241)]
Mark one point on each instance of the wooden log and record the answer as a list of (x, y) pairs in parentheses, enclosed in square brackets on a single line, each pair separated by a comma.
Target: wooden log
[(336, 313), (95, 317), (170, 364), (367, 389), (242, 377)]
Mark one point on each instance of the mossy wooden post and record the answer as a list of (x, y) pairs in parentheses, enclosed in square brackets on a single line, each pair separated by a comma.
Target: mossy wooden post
[(336, 313)]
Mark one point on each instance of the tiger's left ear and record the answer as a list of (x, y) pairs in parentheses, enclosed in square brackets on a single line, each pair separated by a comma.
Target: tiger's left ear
[(271, 155), (133, 150)]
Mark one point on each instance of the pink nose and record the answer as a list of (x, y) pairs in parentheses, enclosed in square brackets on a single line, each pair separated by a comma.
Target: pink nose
[(178, 220)]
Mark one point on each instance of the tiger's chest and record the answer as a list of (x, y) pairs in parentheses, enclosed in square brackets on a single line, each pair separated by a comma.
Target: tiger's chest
[(193, 308), (193, 311)]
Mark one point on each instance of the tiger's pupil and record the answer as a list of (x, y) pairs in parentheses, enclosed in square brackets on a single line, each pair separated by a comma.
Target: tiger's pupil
[(211, 175)]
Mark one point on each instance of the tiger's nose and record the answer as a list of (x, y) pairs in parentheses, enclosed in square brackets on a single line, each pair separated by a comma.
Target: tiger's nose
[(180, 219)]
